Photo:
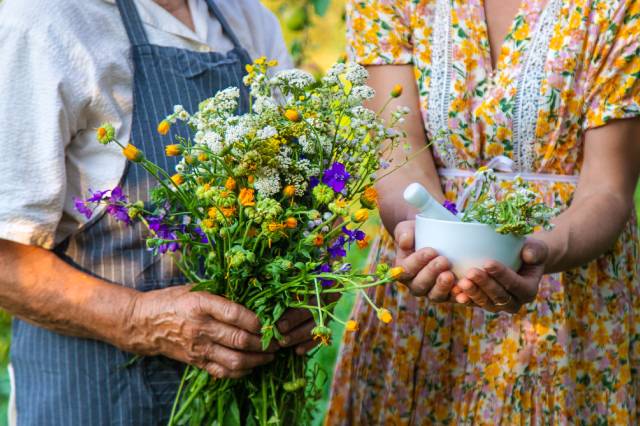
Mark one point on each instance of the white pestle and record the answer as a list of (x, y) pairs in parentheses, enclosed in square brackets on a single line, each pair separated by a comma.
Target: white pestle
[(418, 196)]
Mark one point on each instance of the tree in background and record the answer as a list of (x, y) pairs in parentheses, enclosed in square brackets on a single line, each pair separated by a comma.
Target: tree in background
[(314, 30)]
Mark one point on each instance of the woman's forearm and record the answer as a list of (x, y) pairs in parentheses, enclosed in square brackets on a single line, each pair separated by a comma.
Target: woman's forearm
[(585, 230), (40, 288)]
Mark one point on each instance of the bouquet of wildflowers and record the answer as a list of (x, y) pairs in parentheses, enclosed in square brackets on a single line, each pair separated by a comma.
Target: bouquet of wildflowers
[(262, 210)]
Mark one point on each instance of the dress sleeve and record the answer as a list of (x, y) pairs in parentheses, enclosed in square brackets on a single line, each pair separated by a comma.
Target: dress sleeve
[(37, 125), (614, 77), (379, 31)]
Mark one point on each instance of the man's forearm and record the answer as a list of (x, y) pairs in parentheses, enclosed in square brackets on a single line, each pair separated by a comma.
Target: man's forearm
[(38, 287)]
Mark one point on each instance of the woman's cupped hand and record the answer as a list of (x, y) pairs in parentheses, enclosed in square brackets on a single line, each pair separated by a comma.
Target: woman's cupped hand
[(494, 287)]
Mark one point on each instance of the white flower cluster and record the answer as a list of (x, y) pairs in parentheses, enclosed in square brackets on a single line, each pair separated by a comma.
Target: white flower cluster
[(267, 132), (296, 79), (267, 182), (356, 74)]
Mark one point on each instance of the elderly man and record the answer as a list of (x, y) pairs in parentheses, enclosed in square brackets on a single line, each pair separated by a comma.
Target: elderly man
[(88, 295)]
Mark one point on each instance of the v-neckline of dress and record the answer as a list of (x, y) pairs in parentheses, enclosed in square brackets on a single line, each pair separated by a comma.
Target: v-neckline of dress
[(506, 48)]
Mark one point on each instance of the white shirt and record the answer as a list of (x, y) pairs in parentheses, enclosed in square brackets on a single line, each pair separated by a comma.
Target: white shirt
[(66, 70)]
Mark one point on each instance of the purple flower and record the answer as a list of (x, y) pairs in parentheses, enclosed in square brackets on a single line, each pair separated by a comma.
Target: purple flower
[(337, 248), (117, 196), (450, 206), (346, 267), (82, 208), (313, 182), (336, 177), (325, 267), (96, 196), (355, 235), (163, 232), (119, 213), (199, 232)]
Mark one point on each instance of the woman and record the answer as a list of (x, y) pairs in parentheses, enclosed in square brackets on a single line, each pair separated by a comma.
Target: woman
[(557, 90)]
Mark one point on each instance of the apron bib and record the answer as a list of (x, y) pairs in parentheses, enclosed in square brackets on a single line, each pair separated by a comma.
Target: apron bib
[(63, 380)]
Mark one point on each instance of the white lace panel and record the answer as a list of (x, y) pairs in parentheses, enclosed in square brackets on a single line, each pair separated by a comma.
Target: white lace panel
[(440, 87), (528, 98)]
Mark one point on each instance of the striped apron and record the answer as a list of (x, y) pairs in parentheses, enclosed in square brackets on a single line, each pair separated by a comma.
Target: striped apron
[(63, 380)]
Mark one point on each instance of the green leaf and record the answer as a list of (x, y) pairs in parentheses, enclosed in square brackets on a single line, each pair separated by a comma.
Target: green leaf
[(232, 415)]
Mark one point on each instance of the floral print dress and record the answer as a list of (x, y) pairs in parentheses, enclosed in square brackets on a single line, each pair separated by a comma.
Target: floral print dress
[(572, 356)]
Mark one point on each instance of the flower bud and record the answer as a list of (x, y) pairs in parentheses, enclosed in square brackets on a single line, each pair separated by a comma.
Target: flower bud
[(396, 91), (163, 127), (360, 215), (177, 179), (385, 316), (396, 272), (351, 325), (291, 222), (289, 191), (132, 153), (173, 150)]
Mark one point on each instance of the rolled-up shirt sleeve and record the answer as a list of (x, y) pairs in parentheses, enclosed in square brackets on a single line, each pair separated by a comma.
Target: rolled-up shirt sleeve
[(36, 124)]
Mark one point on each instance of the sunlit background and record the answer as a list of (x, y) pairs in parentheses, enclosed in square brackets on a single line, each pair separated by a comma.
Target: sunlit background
[(314, 30)]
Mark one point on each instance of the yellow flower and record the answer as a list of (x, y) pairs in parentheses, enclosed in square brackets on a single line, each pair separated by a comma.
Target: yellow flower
[(202, 157), (173, 150), (249, 68), (522, 32), (385, 316), (396, 91), (247, 197), (351, 325), (289, 191), (261, 60), (208, 224), (293, 115), (178, 179), (163, 127), (494, 149), (132, 153), (274, 226), (291, 222), (230, 184), (396, 272), (360, 215), (272, 63)]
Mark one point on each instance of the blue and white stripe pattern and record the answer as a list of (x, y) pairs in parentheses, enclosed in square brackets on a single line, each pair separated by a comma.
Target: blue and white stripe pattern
[(63, 380)]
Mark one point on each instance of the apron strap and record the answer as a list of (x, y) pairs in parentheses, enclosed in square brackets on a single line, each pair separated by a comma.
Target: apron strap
[(132, 22), (226, 28)]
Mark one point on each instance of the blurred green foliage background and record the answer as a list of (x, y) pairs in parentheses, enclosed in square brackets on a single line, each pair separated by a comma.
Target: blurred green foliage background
[(314, 30)]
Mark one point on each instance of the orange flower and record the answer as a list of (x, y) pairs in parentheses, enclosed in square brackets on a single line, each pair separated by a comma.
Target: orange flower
[(289, 191), (228, 211), (163, 127), (293, 115), (318, 240), (132, 153), (291, 222), (230, 184), (208, 224), (385, 316), (173, 150), (351, 325), (178, 179), (369, 198), (363, 243), (247, 197), (251, 179)]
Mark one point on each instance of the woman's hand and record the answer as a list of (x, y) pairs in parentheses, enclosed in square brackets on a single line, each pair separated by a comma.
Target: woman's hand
[(425, 272), (197, 328), (498, 288)]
